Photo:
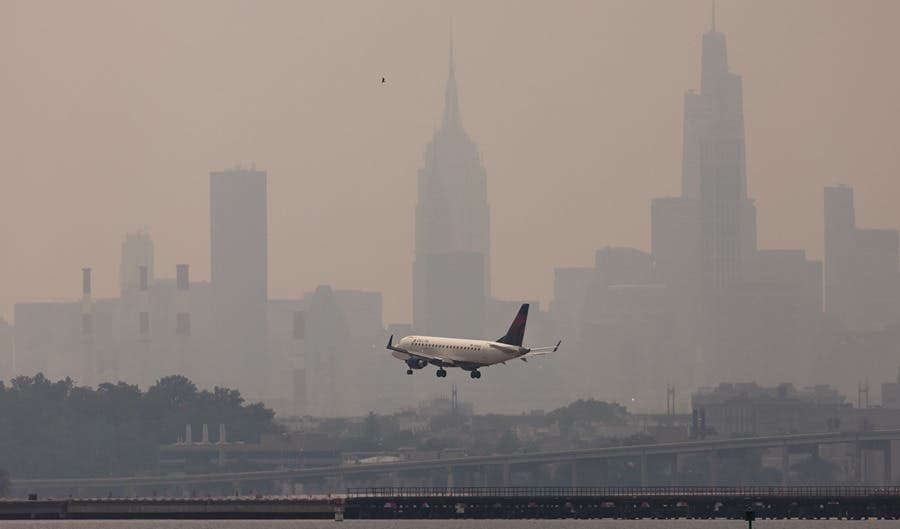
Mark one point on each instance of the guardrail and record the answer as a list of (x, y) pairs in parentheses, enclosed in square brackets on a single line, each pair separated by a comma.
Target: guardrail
[(802, 491)]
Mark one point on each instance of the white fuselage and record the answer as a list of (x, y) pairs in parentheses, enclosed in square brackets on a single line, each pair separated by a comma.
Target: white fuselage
[(458, 351)]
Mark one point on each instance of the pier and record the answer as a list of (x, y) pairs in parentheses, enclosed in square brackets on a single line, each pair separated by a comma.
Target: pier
[(493, 503), (625, 502), (169, 508)]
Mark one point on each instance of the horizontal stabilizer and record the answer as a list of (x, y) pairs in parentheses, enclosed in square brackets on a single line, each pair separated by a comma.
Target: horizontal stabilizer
[(537, 351)]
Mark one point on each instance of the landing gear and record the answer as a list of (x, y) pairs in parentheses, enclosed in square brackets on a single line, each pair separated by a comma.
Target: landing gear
[(409, 371), (475, 374), (440, 373)]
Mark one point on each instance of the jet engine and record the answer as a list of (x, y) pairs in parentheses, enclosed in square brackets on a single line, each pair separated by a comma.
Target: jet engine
[(416, 363)]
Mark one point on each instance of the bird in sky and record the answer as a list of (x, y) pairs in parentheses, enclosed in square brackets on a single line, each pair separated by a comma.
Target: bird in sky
[(382, 80)]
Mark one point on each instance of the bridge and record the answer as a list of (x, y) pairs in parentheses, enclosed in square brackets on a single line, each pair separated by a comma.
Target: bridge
[(666, 453)]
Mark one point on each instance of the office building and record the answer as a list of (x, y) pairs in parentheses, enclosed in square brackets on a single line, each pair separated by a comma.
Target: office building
[(451, 272), (239, 274)]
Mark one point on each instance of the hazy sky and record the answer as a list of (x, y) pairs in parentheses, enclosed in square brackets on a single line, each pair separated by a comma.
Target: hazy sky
[(114, 112)]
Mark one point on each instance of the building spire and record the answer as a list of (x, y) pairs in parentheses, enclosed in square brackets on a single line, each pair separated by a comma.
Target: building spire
[(451, 98), (451, 44)]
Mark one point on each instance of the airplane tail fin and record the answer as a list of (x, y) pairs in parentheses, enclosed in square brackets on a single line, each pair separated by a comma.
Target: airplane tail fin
[(516, 332)]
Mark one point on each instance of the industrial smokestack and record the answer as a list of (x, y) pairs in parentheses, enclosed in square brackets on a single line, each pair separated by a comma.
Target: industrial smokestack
[(87, 323), (181, 275), (144, 303), (298, 334), (86, 281), (183, 323), (222, 433), (205, 439), (188, 437), (88, 360), (147, 370), (182, 302)]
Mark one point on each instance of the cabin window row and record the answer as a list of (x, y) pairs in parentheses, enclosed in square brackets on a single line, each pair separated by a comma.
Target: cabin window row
[(467, 348)]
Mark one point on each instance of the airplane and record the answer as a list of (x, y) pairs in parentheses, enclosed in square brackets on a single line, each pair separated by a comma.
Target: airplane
[(468, 355)]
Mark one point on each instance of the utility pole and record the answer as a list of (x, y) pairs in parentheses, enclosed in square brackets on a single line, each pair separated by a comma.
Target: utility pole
[(454, 402)]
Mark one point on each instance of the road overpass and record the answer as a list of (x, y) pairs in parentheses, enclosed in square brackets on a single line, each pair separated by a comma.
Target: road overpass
[(873, 440)]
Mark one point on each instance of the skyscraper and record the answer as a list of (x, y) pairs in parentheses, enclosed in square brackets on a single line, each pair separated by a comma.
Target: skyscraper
[(862, 283), (239, 266), (707, 236), (451, 272), (715, 159)]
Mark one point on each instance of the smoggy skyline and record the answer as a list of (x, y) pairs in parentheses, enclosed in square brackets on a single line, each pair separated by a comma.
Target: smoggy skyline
[(116, 112)]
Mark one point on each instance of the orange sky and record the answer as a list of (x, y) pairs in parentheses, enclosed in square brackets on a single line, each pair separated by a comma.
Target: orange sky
[(114, 112)]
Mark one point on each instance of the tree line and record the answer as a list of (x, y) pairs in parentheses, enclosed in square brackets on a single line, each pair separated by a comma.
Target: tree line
[(60, 429)]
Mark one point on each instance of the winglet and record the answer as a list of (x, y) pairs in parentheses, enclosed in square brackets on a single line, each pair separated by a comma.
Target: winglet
[(557, 346)]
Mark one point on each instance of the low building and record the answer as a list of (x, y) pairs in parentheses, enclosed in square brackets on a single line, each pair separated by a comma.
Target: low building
[(747, 409)]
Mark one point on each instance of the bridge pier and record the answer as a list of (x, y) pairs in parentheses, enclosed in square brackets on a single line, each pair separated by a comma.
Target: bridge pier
[(287, 488), (860, 463), (574, 476), (644, 470), (867, 469), (505, 467), (712, 468), (888, 472), (674, 471), (450, 483), (785, 466)]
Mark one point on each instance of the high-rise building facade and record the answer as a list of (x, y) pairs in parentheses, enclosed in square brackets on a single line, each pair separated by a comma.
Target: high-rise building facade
[(451, 272), (239, 273), (7, 353), (705, 237), (862, 282)]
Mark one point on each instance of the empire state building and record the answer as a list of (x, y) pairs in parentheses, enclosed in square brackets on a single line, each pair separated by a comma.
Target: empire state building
[(451, 272)]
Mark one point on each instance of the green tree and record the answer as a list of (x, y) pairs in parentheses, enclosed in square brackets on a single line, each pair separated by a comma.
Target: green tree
[(815, 470), (58, 429), (372, 431), (507, 443), (584, 411)]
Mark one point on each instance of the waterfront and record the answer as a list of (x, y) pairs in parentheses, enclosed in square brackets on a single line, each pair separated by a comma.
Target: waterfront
[(450, 524)]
